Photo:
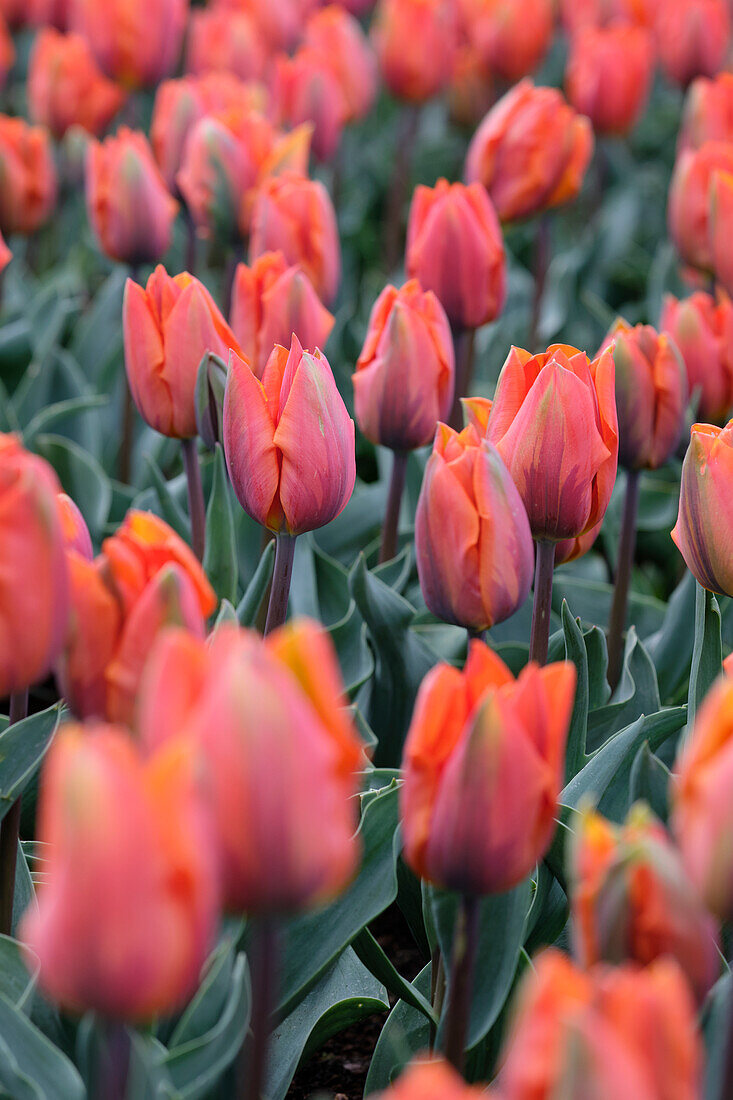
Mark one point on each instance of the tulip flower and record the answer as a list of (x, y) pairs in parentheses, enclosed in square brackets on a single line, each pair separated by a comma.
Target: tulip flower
[(708, 112), (127, 861), (7, 51), (471, 92), (472, 539), (294, 215), (45, 13), (5, 254), (137, 42), (530, 152), (632, 900), (415, 41), (271, 300), (289, 446), (66, 88), (554, 423), (702, 329), (307, 90), (73, 527), (338, 38), (568, 550), (511, 38), (280, 22), (692, 221), (431, 1078), (692, 37), (721, 224), (28, 174), (609, 74), (701, 533), (577, 15), (225, 41)]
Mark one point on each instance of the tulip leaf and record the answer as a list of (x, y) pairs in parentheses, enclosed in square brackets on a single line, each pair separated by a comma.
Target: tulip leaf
[(636, 694), (716, 1032), (16, 981), (374, 959), (355, 657), (590, 601), (671, 647), (649, 782), (103, 316), (52, 414), (22, 747), (81, 477), (251, 601), (206, 1008), (220, 556), (171, 511), (707, 655), (31, 1067), (576, 652), (405, 1033)]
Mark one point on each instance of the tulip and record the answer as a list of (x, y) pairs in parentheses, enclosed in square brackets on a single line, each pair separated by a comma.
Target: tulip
[(66, 88), (511, 38), (271, 300), (294, 215), (73, 527), (692, 37), (431, 1078), (569, 550), (137, 42), (708, 112), (7, 52), (167, 328), (691, 223), (225, 41), (472, 540), (471, 91), (702, 329), (306, 90), (530, 152), (633, 901), (280, 22), (127, 862), (289, 447), (608, 76), (721, 224), (45, 13), (27, 176), (577, 15), (415, 41), (5, 254), (701, 532), (337, 36)]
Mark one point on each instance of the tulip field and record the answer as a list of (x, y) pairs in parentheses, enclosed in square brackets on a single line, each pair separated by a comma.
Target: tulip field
[(366, 549)]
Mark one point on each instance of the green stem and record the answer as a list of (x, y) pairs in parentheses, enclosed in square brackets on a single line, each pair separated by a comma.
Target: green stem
[(465, 942), (10, 832), (277, 610), (544, 568), (388, 548), (627, 543), (196, 507)]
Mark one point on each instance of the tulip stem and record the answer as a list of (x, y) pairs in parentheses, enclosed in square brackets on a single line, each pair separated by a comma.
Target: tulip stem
[(544, 569), (127, 433), (191, 241), (540, 264), (464, 342), (465, 942), (263, 956), (627, 543), (10, 832), (196, 507), (388, 549), (113, 1068), (727, 1083), (277, 610), (399, 186)]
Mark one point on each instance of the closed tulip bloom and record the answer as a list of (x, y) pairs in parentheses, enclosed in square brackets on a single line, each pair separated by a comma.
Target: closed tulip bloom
[(128, 863), (576, 15), (512, 38), (689, 206), (34, 583), (168, 327), (455, 248), (708, 112), (415, 41), (306, 89), (721, 226), (530, 152), (475, 570), (429, 1077), (338, 38), (651, 394), (27, 176), (294, 215), (608, 76), (280, 22), (631, 899), (692, 38), (701, 531), (288, 843), (482, 769), (48, 13), (271, 300), (404, 377), (137, 42), (554, 423), (288, 441), (702, 329), (225, 41), (73, 527), (66, 88), (571, 549)]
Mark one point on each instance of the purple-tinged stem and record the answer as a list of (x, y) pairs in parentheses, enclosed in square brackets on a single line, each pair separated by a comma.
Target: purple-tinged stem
[(464, 342), (627, 543), (463, 960), (277, 610), (388, 548), (196, 508), (544, 569)]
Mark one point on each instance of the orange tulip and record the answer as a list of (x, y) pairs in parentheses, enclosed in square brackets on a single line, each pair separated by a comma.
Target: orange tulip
[(702, 534), (708, 112), (288, 441), (307, 90), (568, 550), (73, 527), (702, 329), (692, 37), (34, 583), (7, 52), (294, 215), (692, 222), (554, 423), (579, 14), (271, 300), (609, 74), (5, 254), (137, 42), (168, 327), (28, 175), (128, 909), (455, 248), (47, 13), (280, 22), (65, 87), (511, 38), (482, 769), (431, 1078), (338, 38), (721, 226), (471, 91), (257, 709), (225, 41), (530, 152), (415, 41)]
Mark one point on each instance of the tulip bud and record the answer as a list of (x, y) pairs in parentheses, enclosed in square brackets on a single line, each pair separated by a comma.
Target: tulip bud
[(689, 207), (338, 38), (577, 15), (530, 152), (34, 585), (708, 112), (306, 89), (554, 423), (127, 861), (568, 550), (692, 37), (651, 394), (288, 843), (137, 42), (47, 13), (455, 248), (66, 88), (168, 327), (129, 206), (225, 41), (609, 74), (472, 539), (415, 41), (288, 441), (404, 376), (280, 22), (295, 216), (721, 225), (511, 38), (73, 527), (272, 300), (632, 899), (430, 1078), (482, 769), (701, 533), (28, 174), (702, 329)]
